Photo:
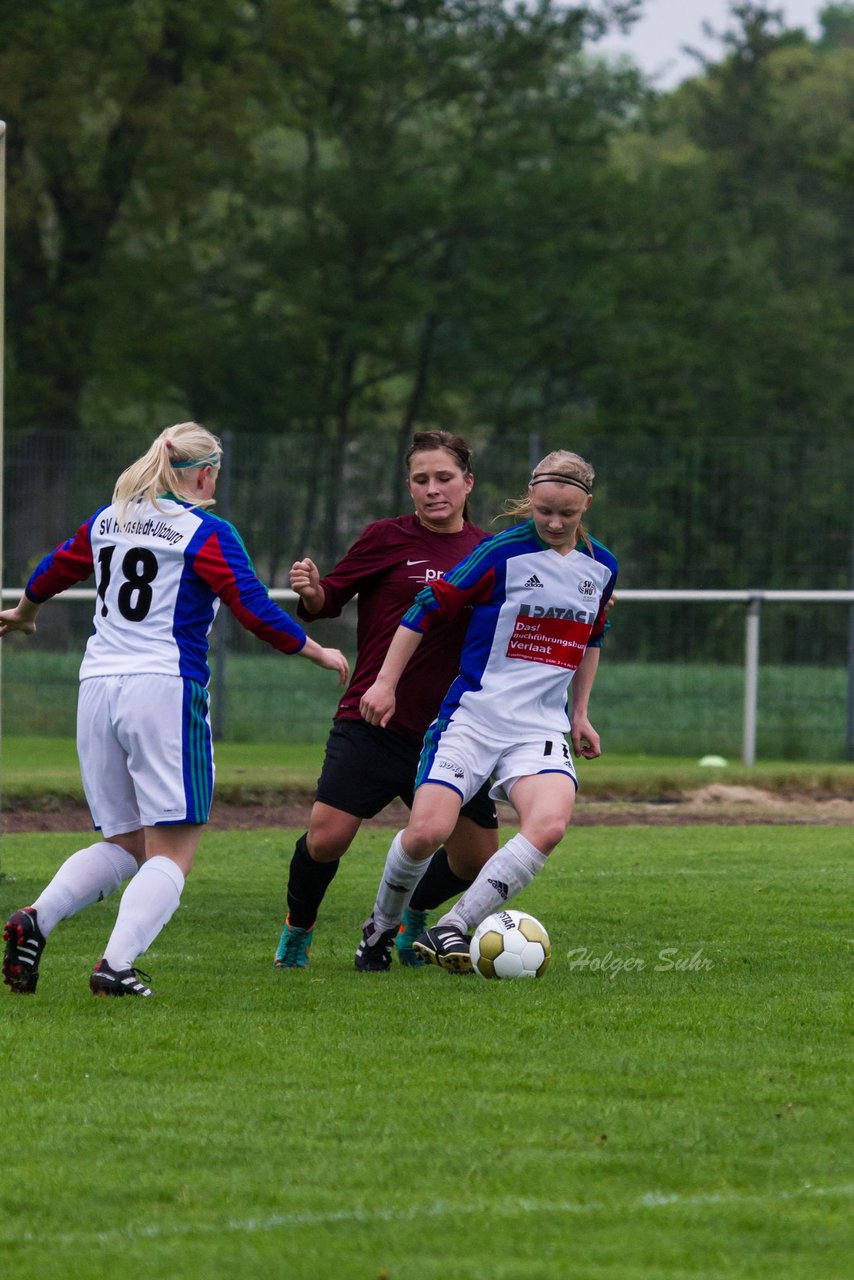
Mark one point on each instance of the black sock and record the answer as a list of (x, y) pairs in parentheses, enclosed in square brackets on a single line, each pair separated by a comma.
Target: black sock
[(307, 884), (437, 884)]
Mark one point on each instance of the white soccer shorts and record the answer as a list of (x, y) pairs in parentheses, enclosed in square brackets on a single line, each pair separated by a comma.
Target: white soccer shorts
[(460, 756), (146, 751)]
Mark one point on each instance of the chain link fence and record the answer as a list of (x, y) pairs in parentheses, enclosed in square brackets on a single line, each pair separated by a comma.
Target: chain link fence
[(723, 514)]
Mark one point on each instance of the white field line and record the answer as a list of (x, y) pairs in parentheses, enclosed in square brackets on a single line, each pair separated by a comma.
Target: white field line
[(651, 1200)]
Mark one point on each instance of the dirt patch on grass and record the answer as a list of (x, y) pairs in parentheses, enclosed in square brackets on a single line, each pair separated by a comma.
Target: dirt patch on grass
[(725, 806), (718, 803)]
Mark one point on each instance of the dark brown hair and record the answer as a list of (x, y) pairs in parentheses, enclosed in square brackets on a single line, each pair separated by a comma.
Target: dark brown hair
[(422, 441)]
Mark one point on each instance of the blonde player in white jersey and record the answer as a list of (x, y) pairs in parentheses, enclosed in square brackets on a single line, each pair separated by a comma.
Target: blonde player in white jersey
[(538, 593), (162, 563)]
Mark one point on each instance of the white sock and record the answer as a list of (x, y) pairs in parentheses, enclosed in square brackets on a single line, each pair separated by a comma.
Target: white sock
[(86, 877), (505, 874), (148, 903), (400, 877)]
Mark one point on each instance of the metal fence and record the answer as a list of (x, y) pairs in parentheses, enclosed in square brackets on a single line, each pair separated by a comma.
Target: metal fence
[(683, 517), (670, 708), (724, 514)]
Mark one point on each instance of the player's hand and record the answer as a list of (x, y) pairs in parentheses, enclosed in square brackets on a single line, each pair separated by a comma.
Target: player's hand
[(331, 660), (585, 739), (304, 578), (12, 620), (378, 703)]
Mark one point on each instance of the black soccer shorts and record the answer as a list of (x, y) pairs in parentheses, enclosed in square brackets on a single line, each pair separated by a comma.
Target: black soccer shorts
[(366, 767)]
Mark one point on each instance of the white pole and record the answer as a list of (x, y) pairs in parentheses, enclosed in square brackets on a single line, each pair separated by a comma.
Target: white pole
[(751, 679)]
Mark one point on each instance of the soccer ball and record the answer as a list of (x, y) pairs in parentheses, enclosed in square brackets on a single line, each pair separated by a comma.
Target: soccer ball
[(510, 944)]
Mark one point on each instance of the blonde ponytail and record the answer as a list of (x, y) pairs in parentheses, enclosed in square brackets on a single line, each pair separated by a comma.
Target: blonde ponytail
[(160, 470)]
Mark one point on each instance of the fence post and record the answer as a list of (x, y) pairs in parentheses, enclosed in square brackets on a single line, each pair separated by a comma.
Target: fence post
[(219, 655), (751, 679)]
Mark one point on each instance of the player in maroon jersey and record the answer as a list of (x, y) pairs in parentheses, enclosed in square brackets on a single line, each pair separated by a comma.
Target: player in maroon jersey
[(366, 767)]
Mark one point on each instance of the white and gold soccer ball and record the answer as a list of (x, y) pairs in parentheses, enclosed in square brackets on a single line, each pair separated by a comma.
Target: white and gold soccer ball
[(510, 944)]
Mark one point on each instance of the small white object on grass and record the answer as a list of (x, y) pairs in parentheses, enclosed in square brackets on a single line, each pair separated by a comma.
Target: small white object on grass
[(712, 762)]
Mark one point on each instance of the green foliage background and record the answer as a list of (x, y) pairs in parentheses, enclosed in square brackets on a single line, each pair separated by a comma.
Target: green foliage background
[(319, 227)]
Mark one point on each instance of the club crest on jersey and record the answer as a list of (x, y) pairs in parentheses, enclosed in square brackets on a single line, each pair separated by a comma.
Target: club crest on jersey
[(587, 588)]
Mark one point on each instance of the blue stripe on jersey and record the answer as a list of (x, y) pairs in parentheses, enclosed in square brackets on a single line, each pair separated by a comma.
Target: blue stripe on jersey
[(196, 606), (195, 609)]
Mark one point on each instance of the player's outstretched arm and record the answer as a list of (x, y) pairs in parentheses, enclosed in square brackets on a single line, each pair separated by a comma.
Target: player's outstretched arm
[(305, 581), (378, 702), (329, 659), (21, 618)]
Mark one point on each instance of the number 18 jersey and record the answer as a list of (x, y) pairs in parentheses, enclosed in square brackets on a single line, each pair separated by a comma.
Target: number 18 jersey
[(160, 578)]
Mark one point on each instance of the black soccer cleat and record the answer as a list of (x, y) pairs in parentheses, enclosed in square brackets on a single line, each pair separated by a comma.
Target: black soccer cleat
[(373, 954), (25, 943), (445, 946), (130, 982)]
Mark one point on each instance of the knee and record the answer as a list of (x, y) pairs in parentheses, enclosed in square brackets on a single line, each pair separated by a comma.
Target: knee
[(327, 845), (422, 838), (548, 833)]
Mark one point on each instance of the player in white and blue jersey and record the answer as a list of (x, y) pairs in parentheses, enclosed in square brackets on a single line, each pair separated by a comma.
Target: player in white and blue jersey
[(162, 564), (539, 593)]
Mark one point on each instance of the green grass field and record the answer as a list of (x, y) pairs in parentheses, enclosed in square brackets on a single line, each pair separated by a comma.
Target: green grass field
[(44, 770), (629, 1116)]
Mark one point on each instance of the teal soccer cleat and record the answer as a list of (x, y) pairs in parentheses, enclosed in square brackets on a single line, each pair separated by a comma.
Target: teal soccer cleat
[(294, 949), (413, 925)]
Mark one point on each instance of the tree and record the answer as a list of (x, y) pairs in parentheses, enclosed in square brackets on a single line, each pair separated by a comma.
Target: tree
[(349, 285), (108, 106)]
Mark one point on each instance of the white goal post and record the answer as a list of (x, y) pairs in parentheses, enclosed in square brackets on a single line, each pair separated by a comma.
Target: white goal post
[(752, 601)]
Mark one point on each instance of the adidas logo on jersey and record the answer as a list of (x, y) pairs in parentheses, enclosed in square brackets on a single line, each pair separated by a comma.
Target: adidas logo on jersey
[(533, 581)]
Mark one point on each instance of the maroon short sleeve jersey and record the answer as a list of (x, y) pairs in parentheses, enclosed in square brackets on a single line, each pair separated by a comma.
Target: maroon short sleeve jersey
[(387, 565)]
